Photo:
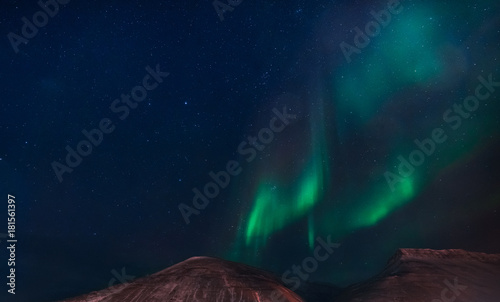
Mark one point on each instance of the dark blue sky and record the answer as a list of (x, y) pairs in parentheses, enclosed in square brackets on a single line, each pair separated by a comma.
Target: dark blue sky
[(323, 175)]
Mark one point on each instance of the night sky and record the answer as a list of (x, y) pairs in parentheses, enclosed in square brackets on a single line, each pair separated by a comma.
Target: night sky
[(115, 115)]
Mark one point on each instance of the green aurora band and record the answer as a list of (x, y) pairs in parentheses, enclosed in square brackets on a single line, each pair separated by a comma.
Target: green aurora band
[(274, 209), (361, 88)]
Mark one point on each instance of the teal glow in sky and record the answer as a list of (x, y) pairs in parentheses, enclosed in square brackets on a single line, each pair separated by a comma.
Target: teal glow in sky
[(414, 57)]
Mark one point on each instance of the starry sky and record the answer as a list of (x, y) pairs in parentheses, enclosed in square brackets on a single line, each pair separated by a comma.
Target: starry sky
[(378, 142)]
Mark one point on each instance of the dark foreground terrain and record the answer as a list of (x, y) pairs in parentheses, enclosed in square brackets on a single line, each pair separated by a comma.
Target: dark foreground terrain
[(411, 275)]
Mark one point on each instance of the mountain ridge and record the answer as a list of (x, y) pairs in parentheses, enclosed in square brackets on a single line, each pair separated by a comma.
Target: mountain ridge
[(410, 275)]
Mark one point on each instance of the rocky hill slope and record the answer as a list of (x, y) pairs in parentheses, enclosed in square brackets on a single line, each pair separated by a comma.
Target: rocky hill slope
[(411, 275)]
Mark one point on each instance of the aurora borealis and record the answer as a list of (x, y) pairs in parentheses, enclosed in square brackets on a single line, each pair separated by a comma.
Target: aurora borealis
[(393, 145), (288, 205), (396, 89)]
